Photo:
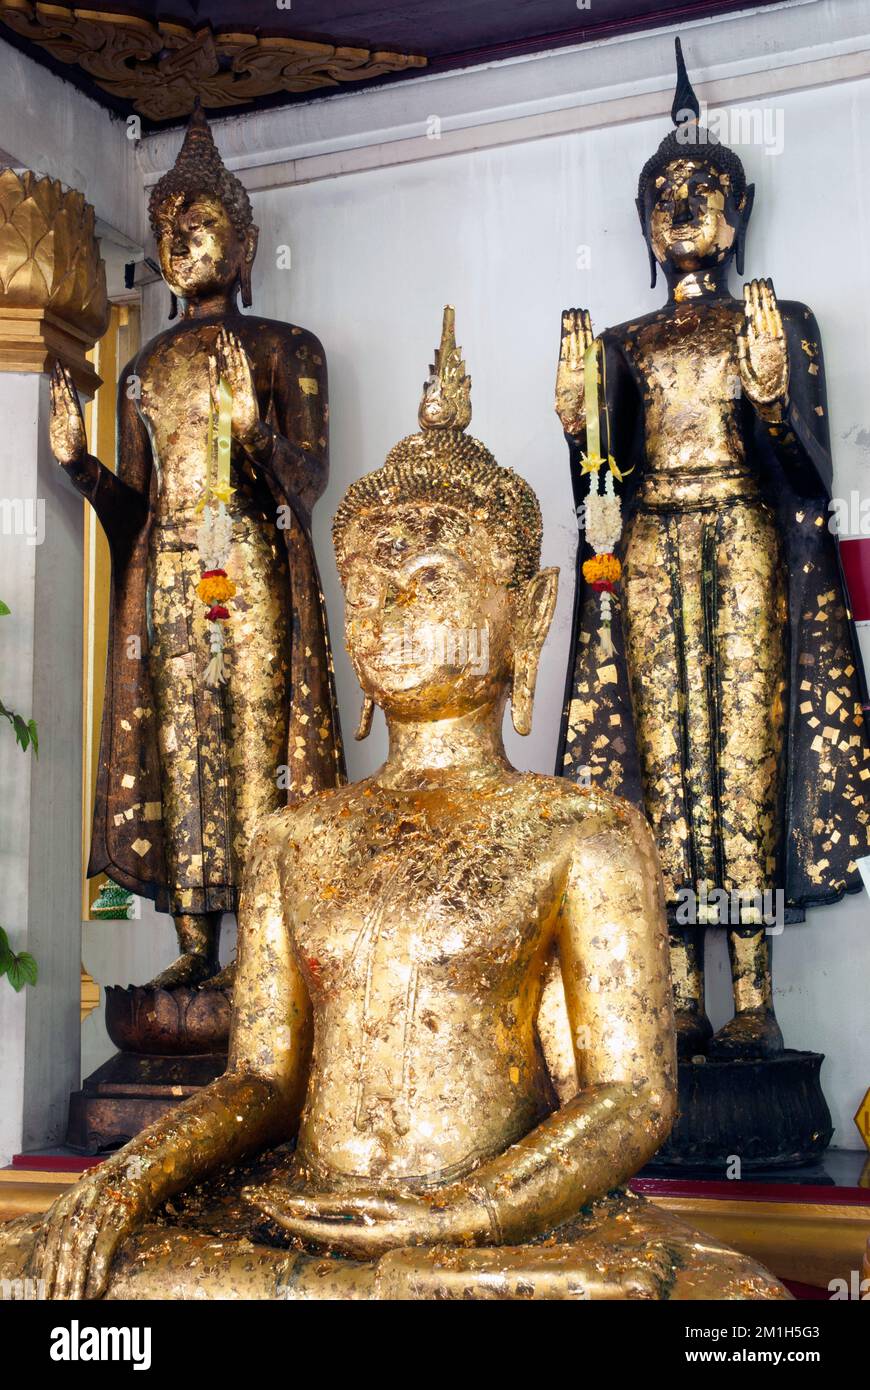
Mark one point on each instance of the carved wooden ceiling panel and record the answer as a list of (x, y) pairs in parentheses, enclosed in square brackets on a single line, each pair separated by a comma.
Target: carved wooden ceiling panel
[(156, 57)]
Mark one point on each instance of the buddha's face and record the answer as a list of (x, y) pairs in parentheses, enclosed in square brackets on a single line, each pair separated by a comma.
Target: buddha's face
[(692, 215), (200, 251), (429, 612)]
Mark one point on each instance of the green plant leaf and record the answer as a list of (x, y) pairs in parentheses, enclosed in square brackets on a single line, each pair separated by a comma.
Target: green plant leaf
[(25, 730), (22, 971), (6, 954), (4, 608)]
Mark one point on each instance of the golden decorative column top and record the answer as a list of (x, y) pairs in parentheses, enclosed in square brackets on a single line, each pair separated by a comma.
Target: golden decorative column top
[(53, 301)]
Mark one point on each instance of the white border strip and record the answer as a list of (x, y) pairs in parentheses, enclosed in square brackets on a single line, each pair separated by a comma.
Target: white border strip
[(768, 51), (516, 130)]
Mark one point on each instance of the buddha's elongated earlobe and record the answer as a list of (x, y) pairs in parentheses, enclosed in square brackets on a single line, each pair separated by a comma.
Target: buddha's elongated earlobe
[(653, 263), (522, 696), (363, 728), (653, 266), (745, 214), (535, 610), (251, 239)]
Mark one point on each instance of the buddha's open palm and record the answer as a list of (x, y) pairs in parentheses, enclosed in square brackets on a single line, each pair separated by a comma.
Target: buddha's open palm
[(577, 336), (232, 363), (81, 1232), (367, 1225), (66, 423), (761, 345)]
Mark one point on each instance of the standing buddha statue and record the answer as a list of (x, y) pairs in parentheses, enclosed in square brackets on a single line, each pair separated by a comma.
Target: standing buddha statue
[(399, 938), (219, 701), (725, 694)]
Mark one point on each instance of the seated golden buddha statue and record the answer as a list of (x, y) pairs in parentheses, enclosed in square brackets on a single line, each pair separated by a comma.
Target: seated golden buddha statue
[(453, 985)]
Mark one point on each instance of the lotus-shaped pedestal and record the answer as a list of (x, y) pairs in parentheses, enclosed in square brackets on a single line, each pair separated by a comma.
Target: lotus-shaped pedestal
[(53, 300)]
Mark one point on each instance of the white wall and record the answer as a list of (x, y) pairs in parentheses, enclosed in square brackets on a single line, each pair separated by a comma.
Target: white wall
[(385, 227), (46, 125)]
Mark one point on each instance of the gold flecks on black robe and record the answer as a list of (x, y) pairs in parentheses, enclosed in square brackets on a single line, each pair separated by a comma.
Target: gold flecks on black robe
[(181, 780), (808, 703)]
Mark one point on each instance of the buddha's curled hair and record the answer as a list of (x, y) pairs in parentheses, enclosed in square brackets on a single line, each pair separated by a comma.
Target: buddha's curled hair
[(443, 464), (693, 142), (200, 169)]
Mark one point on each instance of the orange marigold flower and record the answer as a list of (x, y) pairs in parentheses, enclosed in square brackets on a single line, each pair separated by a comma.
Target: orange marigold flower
[(601, 569), (215, 588)]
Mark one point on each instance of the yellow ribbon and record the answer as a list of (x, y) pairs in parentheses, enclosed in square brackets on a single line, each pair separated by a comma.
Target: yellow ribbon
[(593, 459), (219, 453), (590, 386), (222, 489)]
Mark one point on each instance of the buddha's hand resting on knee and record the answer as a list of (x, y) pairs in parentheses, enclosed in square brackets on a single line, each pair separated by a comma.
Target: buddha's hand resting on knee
[(366, 1225), (81, 1232)]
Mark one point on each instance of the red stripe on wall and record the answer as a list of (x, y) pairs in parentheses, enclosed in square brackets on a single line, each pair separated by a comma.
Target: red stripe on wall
[(856, 563)]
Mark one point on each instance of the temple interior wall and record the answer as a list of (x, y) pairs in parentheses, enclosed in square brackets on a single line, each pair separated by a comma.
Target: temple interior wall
[(48, 126), (522, 204), (496, 233)]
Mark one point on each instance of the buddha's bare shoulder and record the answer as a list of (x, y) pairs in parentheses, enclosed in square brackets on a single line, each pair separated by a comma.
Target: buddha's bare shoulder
[(585, 811), (303, 816)]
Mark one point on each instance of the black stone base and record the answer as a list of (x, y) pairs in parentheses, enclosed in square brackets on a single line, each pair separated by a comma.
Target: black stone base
[(130, 1091), (769, 1113)]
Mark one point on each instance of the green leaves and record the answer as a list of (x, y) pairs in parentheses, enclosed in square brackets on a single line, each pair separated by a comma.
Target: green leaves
[(21, 969), (25, 729), (26, 735)]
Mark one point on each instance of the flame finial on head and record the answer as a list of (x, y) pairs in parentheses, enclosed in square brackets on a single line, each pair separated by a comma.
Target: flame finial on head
[(689, 140), (685, 104), (443, 465), (446, 402)]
